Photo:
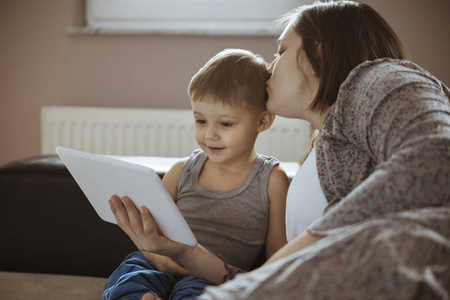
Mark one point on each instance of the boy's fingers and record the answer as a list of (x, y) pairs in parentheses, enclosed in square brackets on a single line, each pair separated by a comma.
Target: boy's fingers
[(149, 222), (133, 215), (119, 211)]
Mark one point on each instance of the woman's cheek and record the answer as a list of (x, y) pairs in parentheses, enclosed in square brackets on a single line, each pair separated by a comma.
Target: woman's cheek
[(272, 105)]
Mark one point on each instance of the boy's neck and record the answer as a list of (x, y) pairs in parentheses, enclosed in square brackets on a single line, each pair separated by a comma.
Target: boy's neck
[(223, 177), (237, 165)]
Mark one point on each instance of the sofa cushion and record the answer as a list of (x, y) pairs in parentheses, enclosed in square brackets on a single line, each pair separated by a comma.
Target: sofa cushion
[(16, 285)]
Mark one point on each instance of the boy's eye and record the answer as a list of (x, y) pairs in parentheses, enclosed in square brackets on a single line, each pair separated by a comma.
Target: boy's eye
[(226, 124)]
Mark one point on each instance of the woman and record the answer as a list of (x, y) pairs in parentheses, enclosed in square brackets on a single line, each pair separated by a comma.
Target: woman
[(382, 160)]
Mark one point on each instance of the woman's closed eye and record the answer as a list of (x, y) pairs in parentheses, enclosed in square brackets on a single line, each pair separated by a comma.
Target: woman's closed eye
[(278, 54)]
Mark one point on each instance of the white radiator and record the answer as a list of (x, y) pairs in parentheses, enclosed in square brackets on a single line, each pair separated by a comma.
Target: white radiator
[(151, 132)]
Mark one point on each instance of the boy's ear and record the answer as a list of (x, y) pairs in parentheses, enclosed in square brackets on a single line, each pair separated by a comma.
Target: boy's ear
[(265, 121)]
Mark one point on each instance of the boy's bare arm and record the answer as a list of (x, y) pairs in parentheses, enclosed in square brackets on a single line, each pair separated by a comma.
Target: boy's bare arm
[(277, 191), (170, 179)]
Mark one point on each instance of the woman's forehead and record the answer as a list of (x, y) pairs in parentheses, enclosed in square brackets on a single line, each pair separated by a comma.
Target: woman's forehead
[(289, 37)]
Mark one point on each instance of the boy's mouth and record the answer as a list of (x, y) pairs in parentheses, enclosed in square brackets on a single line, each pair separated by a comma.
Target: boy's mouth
[(215, 149)]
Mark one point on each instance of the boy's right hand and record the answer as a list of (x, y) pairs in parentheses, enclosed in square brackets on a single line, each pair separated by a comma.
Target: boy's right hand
[(165, 264)]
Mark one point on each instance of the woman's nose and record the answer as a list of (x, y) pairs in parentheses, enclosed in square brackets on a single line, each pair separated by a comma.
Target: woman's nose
[(270, 68)]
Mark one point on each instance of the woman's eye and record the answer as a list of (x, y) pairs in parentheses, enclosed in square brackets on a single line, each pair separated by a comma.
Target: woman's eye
[(200, 121), (278, 54), (226, 124)]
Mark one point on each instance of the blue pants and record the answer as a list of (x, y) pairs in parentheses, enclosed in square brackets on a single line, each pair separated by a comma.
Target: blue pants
[(136, 276)]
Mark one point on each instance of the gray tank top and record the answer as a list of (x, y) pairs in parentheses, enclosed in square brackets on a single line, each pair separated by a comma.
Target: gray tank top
[(232, 224)]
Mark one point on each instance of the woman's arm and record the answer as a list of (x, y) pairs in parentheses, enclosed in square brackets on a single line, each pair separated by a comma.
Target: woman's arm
[(277, 191), (302, 241), (386, 147)]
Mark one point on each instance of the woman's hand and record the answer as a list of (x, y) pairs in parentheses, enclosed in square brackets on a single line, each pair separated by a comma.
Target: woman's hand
[(143, 230)]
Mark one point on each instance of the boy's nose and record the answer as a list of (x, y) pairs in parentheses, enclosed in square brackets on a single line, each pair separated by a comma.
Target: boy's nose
[(211, 134)]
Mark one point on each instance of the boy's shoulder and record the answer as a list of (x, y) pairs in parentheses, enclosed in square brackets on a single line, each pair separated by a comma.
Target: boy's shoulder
[(175, 169), (266, 159), (278, 184), (278, 173)]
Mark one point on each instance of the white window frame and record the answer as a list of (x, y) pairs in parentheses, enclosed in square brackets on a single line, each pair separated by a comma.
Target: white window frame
[(218, 17)]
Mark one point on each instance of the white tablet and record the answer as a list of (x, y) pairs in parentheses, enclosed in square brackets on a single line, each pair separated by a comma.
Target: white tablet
[(100, 177)]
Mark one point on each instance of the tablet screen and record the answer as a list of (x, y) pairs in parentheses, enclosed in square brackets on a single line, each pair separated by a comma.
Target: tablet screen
[(100, 177)]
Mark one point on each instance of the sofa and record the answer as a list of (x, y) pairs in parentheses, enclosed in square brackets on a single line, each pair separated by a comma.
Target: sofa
[(53, 244)]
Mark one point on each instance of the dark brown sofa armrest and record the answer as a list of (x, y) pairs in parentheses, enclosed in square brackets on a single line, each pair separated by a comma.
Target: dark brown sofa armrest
[(48, 225)]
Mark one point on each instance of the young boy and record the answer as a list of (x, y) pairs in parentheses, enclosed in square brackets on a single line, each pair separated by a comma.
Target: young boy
[(232, 198)]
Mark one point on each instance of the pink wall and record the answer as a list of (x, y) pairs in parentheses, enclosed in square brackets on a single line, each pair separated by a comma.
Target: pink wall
[(40, 64)]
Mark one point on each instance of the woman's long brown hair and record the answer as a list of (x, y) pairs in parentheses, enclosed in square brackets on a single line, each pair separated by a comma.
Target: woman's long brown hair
[(338, 36)]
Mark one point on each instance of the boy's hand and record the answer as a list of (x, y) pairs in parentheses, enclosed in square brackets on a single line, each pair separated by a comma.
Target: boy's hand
[(143, 230), (166, 264), (140, 226)]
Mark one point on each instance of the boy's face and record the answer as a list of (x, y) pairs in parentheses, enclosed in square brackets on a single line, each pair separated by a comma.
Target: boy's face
[(225, 133)]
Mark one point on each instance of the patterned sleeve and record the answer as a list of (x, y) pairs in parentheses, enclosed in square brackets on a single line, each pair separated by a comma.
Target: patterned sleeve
[(389, 139)]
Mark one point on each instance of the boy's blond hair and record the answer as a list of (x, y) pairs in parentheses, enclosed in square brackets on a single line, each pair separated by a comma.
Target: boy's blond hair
[(232, 77)]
